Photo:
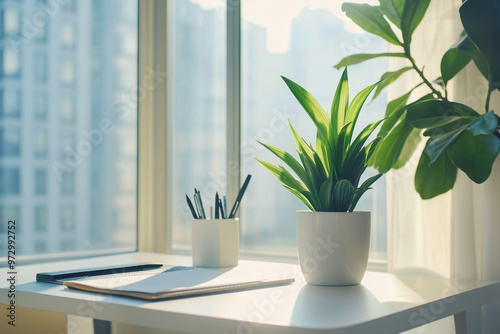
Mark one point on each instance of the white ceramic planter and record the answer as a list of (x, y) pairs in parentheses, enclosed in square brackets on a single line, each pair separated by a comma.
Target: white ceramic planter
[(215, 242), (333, 247)]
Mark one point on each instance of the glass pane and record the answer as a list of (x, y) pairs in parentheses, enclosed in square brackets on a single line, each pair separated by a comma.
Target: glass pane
[(63, 144), (301, 40), (198, 83)]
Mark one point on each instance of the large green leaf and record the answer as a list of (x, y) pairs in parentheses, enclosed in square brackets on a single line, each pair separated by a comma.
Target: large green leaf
[(413, 13), (396, 108), (434, 113), (480, 19), (439, 142), (283, 175), (475, 155), (343, 193), (388, 78), (371, 19), (436, 179), (361, 57), (393, 9), (453, 61), (485, 124), (388, 150), (340, 104), (468, 46), (411, 144)]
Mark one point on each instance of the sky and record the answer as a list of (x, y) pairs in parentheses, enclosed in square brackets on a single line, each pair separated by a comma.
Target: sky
[(276, 16)]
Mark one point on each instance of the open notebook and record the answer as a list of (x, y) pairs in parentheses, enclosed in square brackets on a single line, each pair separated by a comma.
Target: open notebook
[(175, 282)]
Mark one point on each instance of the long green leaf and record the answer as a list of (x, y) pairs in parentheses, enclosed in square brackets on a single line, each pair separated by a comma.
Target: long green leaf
[(413, 13), (311, 106), (288, 159), (468, 46), (301, 196), (388, 78), (283, 175), (436, 179), (301, 144), (393, 113), (359, 141), (339, 105), (343, 193), (361, 190), (326, 194), (356, 105), (371, 19), (362, 57)]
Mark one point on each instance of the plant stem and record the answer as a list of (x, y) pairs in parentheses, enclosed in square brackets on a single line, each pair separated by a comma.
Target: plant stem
[(487, 105), (421, 74)]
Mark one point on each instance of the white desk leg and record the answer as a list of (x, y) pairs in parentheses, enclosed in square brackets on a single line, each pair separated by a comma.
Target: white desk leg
[(469, 322)]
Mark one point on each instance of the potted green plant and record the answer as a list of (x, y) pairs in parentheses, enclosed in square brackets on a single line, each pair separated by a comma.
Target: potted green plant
[(458, 137), (333, 240)]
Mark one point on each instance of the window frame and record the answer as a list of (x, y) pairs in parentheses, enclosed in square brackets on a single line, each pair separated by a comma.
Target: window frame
[(155, 197)]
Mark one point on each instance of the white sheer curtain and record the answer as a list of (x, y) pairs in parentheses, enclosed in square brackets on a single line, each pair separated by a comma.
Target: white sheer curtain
[(457, 234)]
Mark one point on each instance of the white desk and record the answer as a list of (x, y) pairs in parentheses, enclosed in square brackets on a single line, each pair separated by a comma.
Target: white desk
[(383, 303)]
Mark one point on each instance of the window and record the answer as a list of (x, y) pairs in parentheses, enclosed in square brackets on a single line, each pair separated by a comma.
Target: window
[(41, 218), (40, 67), (68, 34), (40, 105), (40, 143), (9, 181), (9, 20), (40, 181), (68, 135), (10, 142), (302, 43), (9, 62), (67, 109), (10, 103)]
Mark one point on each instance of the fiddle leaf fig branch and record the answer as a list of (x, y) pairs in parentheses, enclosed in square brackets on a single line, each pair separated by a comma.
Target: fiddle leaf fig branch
[(458, 137)]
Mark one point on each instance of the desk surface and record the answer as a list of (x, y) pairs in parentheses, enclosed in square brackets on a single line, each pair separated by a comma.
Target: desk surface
[(383, 303)]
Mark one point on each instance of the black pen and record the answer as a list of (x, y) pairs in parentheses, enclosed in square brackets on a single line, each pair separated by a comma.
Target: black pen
[(190, 204), (216, 205), (240, 195), (201, 205), (222, 212)]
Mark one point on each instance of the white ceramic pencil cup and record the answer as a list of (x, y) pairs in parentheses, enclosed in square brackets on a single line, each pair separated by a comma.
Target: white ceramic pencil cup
[(215, 242)]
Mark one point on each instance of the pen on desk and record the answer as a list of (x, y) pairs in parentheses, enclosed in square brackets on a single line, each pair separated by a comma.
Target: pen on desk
[(222, 212), (238, 198), (216, 205), (225, 207), (201, 206), (190, 204)]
